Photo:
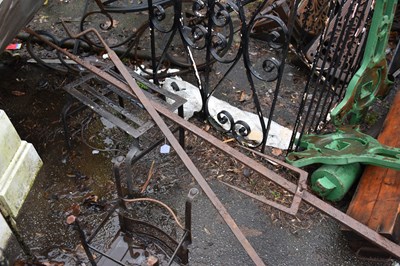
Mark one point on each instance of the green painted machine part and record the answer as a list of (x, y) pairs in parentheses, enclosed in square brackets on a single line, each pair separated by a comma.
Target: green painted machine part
[(371, 79), (332, 182), (346, 146), (343, 151)]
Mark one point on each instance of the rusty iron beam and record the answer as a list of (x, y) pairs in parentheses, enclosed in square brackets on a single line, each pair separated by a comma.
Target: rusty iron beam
[(133, 88), (308, 197), (301, 185)]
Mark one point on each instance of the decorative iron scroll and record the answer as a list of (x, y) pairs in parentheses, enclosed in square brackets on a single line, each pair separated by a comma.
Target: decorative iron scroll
[(332, 40), (217, 37), (209, 40)]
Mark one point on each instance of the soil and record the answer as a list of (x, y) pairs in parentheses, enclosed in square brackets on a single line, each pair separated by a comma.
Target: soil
[(33, 98)]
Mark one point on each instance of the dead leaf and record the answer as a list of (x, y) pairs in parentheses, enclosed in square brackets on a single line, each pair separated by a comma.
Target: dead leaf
[(107, 24), (115, 23), (249, 232), (276, 151), (91, 199), (18, 93), (74, 209), (242, 97), (43, 18)]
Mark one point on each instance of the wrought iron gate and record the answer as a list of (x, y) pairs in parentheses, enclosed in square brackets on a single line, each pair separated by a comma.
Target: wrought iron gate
[(219, 42), (288, 61), (285, 61)]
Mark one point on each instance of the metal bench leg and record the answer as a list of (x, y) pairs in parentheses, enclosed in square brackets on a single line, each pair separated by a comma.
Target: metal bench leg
[(182, 248), (84, 242), (131, 158)]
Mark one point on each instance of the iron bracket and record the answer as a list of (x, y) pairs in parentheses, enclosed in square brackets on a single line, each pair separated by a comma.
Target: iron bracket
[(371, 80), (347, 145)]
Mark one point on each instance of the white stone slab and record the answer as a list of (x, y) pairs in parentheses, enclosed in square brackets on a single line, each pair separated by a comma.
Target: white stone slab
[(9, 142), (5, 233), (17, 180), (278, 135)]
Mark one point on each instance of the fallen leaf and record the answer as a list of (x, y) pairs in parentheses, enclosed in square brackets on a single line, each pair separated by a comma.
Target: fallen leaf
[(115, 23), (74, 209), (107, 24), (18, 93), (249, 232), (276, 151), (91, 199), (242, 97)]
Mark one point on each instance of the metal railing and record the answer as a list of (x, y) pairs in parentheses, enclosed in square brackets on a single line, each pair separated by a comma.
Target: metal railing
[(256, 48)]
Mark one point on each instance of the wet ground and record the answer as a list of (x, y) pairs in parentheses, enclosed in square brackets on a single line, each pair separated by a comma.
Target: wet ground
[(33, 99)]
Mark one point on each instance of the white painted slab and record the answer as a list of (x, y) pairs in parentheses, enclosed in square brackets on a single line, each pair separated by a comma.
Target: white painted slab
[(17, 180), (5, 233), (278, 135), (9, 142)]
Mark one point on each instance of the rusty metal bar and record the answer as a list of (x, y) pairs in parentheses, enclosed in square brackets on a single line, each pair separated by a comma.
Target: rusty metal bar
[(301, 185), (307, 196), (133, 88), (341, 217), (290, 210)]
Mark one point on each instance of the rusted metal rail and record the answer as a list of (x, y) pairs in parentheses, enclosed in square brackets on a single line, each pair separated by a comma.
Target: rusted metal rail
[(301, 185), (133, 88), (154, 107)]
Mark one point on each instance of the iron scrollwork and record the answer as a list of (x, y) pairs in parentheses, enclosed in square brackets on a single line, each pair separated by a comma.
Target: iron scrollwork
[(217, 35), (276, 37), (221, 31)]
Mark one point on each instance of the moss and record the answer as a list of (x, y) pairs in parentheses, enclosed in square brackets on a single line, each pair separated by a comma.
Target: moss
[(142, 85)]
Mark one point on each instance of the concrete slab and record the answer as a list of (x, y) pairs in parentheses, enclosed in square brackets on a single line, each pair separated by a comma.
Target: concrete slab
[(19, 166), (18, 178)]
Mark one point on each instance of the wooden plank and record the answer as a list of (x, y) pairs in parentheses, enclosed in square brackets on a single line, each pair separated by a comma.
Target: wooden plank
[(376, 201), (386, 208), (366, 195)]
